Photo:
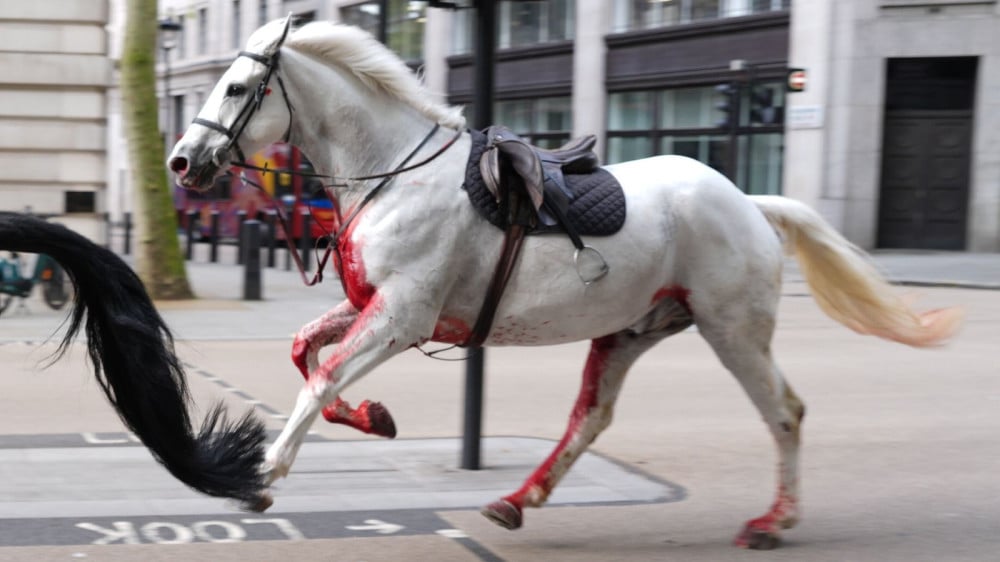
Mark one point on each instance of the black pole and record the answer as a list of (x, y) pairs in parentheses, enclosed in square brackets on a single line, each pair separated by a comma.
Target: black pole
[(189, 231), (305, 239), (383, 22), (213, 251), (483, 104), (272, 235), (250, 234), (241, 217), (128, 234)]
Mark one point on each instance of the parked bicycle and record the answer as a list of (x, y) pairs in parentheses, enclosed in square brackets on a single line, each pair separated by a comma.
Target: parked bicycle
[(57, 289)]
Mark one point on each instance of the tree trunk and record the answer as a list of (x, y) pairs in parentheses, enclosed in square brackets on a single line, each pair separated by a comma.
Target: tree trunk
[(159, 261)]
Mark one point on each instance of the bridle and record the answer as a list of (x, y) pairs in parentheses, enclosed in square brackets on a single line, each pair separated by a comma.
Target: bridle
[(253, 104)]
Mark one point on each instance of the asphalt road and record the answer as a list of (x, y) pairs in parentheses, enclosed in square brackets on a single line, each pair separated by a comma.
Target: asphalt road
[(900, 461)]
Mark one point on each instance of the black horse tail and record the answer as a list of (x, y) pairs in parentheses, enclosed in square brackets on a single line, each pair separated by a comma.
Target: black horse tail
[(134, 362)]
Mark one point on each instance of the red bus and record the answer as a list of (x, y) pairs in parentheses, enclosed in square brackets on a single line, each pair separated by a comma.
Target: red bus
[(294, 194)]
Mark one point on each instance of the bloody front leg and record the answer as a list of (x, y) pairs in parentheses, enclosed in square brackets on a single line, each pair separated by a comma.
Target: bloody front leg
[(368, 417)]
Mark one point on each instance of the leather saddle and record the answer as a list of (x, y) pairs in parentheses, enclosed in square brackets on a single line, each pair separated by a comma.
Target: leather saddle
[(541, 171), (528, 187)]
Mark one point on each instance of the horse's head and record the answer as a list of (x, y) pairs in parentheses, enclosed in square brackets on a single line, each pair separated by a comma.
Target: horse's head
[(240, 116)]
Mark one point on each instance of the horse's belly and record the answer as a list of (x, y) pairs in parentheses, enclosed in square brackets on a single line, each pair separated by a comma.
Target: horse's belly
[(547, 302)]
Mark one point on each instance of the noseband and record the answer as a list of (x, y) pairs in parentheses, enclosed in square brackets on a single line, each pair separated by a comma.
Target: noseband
[(252, 105)]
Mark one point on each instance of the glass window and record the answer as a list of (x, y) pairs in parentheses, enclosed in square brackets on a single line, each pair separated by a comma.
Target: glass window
[(181, 38), (522, 21), (644, 14), (404, 26), (685, 121), (202, 31), (553, 115), (687, 108), (630, 111), (520, 24), (621, 149), (236, 24), (546, 122), (515, 115)]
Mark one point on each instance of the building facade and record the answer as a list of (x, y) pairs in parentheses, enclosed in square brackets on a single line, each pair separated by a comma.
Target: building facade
[(896, 144), (890, 84), (54, 75)]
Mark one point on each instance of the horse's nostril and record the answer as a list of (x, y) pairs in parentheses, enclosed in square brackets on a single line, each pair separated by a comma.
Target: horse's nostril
[(179, 164)]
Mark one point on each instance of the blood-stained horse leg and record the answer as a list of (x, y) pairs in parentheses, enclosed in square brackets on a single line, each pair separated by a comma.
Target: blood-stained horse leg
[(744, 348), (374, 336), (368, 417), (610, 358)]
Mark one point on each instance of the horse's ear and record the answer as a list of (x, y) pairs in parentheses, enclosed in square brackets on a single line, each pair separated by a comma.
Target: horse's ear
[(273, 47)]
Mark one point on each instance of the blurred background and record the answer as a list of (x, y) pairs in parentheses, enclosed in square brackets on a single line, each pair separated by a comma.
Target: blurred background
[(864, 109)]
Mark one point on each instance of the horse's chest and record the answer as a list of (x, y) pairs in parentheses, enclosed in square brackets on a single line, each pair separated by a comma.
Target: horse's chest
[(350, 265)]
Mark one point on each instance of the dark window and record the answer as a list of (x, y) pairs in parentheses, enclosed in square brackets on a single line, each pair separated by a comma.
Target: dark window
[(80, 202), (931, 83)]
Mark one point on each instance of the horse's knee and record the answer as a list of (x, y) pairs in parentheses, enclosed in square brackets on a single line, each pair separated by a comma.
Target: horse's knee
[(794, 405), (300, 354)]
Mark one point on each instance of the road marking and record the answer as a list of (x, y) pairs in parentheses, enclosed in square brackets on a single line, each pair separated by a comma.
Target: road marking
[(377, 525)]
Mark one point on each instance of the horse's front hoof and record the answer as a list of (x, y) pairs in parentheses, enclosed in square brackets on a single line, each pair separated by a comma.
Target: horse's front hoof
[(264, 501), (504, 513), (381, 420), (757, 539)]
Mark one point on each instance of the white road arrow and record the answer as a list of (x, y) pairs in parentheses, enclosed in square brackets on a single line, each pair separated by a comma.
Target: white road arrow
[(378, 526)]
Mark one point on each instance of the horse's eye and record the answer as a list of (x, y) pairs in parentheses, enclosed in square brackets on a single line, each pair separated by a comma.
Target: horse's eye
[(235, 90)]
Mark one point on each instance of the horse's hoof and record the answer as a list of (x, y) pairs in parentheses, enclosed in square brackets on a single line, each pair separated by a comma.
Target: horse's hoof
[(264, 501), (504, 513), (757, 539), (381, 420)]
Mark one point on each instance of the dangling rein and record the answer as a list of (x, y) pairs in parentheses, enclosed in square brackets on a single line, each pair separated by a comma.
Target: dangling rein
[(333, 244)]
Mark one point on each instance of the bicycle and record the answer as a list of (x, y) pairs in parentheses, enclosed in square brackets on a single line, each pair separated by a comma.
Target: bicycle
[(57, 288)]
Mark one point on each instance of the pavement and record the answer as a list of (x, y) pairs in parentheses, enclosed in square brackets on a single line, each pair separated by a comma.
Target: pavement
[(614, 504)]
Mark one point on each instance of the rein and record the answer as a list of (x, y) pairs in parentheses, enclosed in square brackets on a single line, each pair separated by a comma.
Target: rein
[(333, 243)]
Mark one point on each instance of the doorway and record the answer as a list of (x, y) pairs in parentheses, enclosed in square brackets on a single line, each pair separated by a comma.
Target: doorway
[(926, 153)]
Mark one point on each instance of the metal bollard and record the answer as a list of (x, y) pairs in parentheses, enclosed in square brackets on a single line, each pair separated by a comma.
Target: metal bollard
[(128, 234), (213, 254), (272, 235), (305, 241), (250, 258), (241, 217), (189, 230)]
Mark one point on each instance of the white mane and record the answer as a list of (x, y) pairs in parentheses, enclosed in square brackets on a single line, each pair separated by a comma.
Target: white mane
[(371, 62)]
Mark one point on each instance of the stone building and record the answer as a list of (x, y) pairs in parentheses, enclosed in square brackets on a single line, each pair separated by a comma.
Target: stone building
[(54, 75)]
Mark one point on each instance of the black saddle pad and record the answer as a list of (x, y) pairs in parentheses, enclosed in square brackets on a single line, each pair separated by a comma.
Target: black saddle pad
[(596, 200)]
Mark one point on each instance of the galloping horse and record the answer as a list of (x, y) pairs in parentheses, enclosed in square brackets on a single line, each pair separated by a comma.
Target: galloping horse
[(415, 257)]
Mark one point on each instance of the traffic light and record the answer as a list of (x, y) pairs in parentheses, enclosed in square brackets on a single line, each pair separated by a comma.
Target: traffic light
[(728, 105), (762, 106)]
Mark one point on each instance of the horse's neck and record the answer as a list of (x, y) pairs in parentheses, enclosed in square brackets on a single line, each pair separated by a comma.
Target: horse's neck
[(346, 130)]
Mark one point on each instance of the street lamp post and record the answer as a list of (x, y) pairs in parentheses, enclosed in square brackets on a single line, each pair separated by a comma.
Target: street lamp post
[(168, 30)]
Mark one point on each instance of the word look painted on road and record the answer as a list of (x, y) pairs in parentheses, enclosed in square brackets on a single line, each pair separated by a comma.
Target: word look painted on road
[(166, 532)]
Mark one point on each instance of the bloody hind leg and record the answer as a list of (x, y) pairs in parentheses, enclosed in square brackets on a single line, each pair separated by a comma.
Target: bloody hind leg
[(744, 348), (368, 417), (610, 358)]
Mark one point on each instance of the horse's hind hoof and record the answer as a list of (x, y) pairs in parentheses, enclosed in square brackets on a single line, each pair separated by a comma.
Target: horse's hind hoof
[(504, 513), (757, 539), (381, 420)]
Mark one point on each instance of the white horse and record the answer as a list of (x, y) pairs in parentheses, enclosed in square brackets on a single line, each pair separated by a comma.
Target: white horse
[(415, 257)]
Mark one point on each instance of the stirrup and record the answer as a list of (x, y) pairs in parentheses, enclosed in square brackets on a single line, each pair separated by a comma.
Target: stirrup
[(591, 277)]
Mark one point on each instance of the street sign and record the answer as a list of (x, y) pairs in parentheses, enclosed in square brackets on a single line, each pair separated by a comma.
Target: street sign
[(796, 79)]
